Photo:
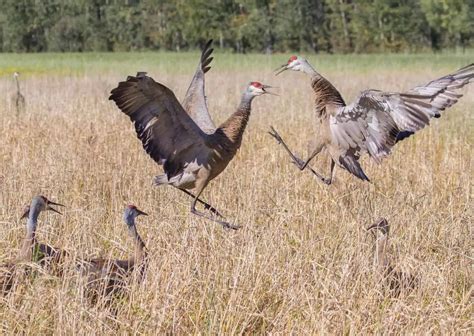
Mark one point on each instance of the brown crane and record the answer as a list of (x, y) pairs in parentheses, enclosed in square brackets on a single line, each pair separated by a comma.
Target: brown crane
[(18, 98), (32, 251), (183, 138), (374, 122), (396, 280), (109, 276)]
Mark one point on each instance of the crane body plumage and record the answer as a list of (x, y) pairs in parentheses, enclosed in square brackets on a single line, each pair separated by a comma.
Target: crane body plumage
[(374, 122), (183, 138)]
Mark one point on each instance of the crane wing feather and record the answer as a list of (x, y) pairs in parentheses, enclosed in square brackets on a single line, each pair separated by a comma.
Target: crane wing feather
[(376, 120), (167, 132), (195, 101)]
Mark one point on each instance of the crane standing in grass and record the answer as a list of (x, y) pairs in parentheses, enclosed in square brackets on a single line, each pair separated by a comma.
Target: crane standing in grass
[(18, 98), (31, 250), (108, 276), (395, 280), (374, 122), (183, 138)]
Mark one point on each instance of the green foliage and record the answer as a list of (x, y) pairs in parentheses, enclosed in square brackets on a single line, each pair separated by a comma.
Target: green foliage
[(240, 25)]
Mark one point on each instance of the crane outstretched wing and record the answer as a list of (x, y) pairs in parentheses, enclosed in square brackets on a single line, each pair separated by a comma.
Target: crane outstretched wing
[(376, 120), (412, 110), (167, 132), (194, 102)]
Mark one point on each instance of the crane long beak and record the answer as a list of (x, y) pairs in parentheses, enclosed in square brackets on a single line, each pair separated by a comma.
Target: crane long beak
[(281, 69), (53, 209), (142, 213), (265, 87)]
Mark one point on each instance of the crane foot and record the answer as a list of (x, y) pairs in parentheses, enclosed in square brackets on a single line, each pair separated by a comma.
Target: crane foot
[(275, 134)]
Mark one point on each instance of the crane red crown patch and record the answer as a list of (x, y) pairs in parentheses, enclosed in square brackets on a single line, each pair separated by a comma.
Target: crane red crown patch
[(131, 206), (256, 84), (292, 58)]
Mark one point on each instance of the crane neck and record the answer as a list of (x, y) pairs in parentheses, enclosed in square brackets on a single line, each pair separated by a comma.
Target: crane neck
[(381, 261), (29, 240), (308, 69), (17, 84), (233, 128), (325, 94), (140, 250)]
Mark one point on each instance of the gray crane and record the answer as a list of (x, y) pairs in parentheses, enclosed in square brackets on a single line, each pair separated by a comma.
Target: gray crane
[(183, 138), (395, 280), (18, 98), (108, 276), (32, 251), (374, 122)]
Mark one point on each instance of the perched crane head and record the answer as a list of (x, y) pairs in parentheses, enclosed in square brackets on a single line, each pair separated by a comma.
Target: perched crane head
[(295, 63), (258, 89), (381, 226), (40, 203), (131, 212)]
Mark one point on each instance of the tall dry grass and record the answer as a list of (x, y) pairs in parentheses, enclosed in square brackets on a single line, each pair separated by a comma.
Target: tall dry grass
[(301, 264)]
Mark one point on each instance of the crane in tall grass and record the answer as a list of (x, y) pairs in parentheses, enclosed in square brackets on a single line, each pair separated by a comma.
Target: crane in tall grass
[(395, 280), (108, 276), (18, 98), (374, 122), (182, 137), (31, 250)]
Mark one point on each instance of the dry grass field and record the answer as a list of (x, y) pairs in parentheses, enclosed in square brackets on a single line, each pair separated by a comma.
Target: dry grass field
[(301, 264)]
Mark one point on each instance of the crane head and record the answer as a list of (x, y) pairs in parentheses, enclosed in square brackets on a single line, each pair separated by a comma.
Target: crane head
[(258, 89), (40, 203), (45, 204), (16, 74), (382, 225), (131, 212), (294, 63)]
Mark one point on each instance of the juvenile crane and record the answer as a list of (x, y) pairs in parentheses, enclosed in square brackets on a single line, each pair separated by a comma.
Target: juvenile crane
[(395, 280), (18, 98), (183, 138), (108, 276), (374, 122), (31, 250)]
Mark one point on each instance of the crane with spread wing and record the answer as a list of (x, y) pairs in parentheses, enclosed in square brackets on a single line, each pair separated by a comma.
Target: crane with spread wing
[(182, 137), (374, 122)]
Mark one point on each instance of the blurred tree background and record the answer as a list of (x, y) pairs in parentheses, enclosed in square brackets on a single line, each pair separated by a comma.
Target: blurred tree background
[(341, 26)]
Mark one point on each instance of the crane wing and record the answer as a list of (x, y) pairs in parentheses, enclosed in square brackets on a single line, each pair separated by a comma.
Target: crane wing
[(412, 110), (167, 132), (377, 120), (195, 100)]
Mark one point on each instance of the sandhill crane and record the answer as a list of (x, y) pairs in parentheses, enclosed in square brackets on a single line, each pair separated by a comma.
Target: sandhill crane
[(108, 276), (18, 98), (31, 250), (374, 122), (395, 280), (183, 138)]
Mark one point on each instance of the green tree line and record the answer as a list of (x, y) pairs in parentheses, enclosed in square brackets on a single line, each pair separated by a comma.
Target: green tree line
[(238, 25)]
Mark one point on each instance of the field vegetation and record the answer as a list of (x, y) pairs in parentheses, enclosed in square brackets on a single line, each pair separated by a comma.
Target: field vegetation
[(301, 264)]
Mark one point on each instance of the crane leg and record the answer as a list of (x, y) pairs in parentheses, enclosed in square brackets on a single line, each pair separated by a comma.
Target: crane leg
[(194, 211), (207, 206), (297, 161)]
